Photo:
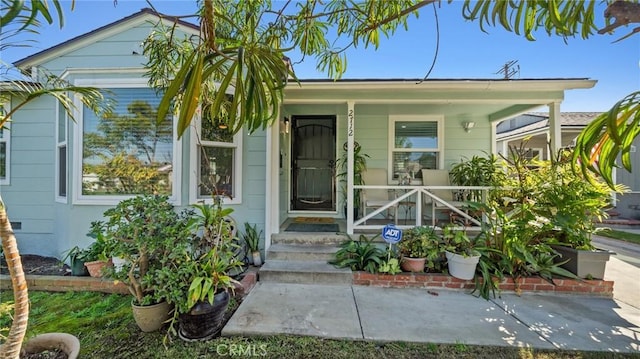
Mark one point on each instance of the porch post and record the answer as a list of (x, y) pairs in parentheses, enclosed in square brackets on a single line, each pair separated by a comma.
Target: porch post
[(350, 142), (554, 128), (272, 202)]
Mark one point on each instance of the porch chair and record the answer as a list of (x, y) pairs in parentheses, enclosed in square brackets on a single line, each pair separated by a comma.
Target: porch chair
[(438, 178), (374, 198)]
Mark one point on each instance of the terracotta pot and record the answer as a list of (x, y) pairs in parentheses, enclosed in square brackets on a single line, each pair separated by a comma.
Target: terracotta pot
[(67, 343), (151, 317), (95, 267), (413, 264)]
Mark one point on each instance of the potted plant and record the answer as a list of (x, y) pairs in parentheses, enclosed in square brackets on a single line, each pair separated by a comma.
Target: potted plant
[(476, 171), (462, 256), (416, 246), (359, 167), (96, 258), (251, 237), (196, 275), (77, 257), (141, 231)]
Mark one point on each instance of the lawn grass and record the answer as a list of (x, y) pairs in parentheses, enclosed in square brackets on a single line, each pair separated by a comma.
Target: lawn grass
[(106, 329), (620, 235)]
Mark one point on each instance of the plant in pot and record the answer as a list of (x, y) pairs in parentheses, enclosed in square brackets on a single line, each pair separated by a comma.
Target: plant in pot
[(573, 205), (97, 257), (359, 167), (460, 249), (196, 274), (251, 237), (414, 248), (142, 230), (476, 171), (77, 257)]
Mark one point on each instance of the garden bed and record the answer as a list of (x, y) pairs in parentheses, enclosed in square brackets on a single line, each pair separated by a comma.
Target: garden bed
[(599, 288)]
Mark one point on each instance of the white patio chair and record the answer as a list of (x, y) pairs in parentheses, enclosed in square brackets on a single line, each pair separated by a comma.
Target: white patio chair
[(373, 198), (438, 178)]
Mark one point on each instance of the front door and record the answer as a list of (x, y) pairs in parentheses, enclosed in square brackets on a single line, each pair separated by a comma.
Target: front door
[(313, 159)]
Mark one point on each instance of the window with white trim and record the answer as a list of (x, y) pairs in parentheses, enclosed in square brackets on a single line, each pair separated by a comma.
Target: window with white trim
[(124, 152), (5, 150), (61, 154), (217, 159), (415, 143)]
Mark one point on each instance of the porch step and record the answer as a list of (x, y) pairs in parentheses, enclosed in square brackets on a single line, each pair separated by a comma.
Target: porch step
[(302, 258), (304, 271), (301, 252), (320, 238)]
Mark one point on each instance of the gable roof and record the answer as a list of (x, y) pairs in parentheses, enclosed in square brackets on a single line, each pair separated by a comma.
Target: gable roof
[(575, 120), (138, 18)]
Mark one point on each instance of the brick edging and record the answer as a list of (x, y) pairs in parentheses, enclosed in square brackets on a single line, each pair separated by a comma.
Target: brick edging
[(52, 283), (598, 288)]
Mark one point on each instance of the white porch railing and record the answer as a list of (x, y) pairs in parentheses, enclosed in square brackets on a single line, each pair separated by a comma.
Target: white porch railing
[(403, 198)]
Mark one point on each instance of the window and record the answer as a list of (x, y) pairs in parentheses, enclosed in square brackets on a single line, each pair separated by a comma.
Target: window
[(5, 152), (217, 160), (533, 154), (124, 151), (61, 155), (416, 144)]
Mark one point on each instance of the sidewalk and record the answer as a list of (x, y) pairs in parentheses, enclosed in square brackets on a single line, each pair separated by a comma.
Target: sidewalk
[(445, 316)]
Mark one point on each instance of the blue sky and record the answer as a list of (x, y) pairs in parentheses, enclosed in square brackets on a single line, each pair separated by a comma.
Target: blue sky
[(465, 51)]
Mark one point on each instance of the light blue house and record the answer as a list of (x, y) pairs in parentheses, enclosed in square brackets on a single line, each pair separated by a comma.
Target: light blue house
[(58, 175)]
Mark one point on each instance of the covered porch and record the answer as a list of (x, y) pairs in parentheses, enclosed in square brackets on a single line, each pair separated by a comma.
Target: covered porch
[(429, 124)]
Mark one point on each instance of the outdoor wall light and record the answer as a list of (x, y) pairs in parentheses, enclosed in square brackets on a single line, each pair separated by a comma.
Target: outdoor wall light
[(286, 125), (468, 125)]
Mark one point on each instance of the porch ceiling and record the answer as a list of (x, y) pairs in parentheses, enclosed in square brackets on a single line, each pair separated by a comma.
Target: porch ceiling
[(493, 99)]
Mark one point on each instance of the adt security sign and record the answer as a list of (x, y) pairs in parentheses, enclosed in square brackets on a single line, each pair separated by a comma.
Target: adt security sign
[(391, 234)]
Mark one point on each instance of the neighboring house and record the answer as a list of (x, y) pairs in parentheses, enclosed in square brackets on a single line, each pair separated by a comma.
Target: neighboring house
[(533, 130), (60, 175)]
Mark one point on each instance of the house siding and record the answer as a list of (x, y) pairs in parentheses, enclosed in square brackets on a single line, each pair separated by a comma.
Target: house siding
[(29, 197)]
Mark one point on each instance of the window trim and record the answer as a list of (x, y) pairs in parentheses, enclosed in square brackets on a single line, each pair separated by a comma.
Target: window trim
[(77, 196), (195, 130), (391, 148), (6, 138), (59, 145)]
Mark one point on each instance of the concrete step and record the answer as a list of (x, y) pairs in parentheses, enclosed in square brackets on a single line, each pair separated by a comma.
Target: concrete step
[(304, 271), (321, 238), (301, 252)]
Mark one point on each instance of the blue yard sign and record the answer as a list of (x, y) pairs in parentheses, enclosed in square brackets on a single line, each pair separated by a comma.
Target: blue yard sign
[(391, 234)]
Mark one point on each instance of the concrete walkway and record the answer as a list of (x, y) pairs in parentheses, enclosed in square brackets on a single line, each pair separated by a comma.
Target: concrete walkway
[(444, 316)]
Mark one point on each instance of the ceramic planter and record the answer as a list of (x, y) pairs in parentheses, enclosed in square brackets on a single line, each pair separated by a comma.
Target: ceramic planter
[(204, 320), (67, 343), (584, 263), (78, 268), (462, 267), (257, 259), (151, 317), (413, 264)]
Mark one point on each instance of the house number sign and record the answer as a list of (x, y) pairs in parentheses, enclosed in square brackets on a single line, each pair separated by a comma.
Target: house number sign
[(391, 234)]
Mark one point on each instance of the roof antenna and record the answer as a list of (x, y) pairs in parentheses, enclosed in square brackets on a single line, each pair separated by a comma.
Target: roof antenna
[(509, 69)]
